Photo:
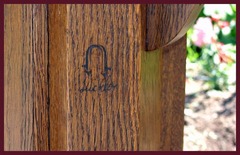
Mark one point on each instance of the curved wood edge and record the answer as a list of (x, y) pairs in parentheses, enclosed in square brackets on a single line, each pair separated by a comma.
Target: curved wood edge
[(166, 23), (190, 21)]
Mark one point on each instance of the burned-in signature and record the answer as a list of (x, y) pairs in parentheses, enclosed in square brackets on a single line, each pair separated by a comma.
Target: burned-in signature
[(99, 77)]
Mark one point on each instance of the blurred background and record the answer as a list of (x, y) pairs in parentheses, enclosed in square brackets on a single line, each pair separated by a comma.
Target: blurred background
[(210, 104)]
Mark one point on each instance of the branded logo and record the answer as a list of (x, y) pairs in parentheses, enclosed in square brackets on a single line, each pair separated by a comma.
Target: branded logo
[(98, 76)]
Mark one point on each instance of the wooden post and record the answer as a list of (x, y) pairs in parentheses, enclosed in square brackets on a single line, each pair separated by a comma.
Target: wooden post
[(95, 77), (26, 120)]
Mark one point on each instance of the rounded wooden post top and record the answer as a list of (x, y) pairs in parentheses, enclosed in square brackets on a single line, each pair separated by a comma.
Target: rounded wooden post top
[(166, 23)]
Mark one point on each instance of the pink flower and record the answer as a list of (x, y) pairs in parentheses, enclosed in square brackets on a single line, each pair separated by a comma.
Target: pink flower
[(215, 17), (203, 32), (223, 24)]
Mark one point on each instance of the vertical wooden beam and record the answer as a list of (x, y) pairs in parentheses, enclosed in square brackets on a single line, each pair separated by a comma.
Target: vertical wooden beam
[(25, 77), (98, 110), (162, 98), (162, 92), (173, 94), (58, 82)]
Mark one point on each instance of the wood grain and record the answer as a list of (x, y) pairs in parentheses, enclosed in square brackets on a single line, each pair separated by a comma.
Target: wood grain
[(173, 94), (167, 23), (162, 98), (151, 101), (99, 120), (79, 78), (25, 77), (58, 85)]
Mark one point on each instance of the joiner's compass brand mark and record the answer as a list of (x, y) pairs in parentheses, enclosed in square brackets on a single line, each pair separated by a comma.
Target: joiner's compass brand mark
[(99, 77)]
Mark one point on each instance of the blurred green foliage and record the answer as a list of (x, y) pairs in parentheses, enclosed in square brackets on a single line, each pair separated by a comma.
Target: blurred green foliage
[(211, 42)]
